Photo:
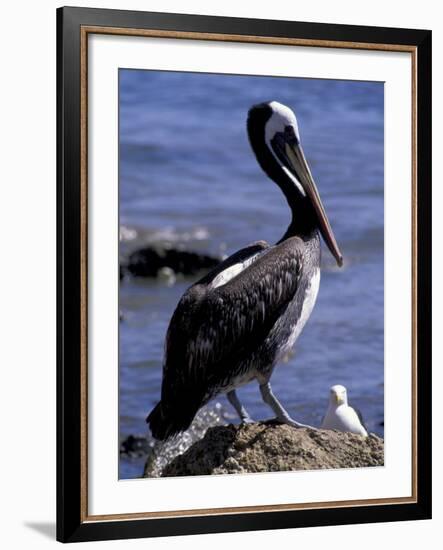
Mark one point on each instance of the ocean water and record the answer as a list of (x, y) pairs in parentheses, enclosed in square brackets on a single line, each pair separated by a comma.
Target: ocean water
[(189, 178)]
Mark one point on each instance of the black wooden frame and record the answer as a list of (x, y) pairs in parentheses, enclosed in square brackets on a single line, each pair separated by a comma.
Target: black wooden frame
[(70, 527)]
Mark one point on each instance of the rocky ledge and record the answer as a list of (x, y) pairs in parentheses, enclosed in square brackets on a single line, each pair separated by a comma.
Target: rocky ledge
[(151, 261), (261, 447)]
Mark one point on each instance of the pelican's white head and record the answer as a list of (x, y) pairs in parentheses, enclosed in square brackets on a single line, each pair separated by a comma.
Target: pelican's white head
[(282, 119), (338, 395)]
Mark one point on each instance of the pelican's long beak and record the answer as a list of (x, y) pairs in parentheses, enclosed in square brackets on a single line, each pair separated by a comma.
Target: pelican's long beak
[(297, 162)]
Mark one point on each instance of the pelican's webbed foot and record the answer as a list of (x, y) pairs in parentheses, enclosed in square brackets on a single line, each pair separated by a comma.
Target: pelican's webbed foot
[(281, 415)]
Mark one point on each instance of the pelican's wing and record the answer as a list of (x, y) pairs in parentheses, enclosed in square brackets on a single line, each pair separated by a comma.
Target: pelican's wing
[(214, 329), (243, 257)]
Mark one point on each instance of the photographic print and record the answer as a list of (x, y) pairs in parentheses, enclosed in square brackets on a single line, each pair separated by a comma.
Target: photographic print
[(251, 301), (244, 274)]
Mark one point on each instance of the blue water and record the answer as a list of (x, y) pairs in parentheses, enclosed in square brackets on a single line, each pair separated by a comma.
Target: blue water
[(188, 177)]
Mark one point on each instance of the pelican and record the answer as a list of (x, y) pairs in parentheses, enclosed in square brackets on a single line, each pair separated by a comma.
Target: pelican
[(236, 323)]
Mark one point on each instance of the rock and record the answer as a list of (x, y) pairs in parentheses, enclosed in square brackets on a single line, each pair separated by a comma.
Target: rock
[(261, 447), (150, 261), (164, 452), (134, 445)]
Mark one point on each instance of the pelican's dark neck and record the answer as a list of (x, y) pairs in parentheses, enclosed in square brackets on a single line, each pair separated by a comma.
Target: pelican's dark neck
[(304, 220)]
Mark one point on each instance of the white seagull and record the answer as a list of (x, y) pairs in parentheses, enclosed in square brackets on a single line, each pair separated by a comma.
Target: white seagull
[(340, 416)]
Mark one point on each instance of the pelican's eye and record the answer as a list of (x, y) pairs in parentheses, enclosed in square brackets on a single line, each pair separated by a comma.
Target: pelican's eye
[(279, 142), (290, 136)]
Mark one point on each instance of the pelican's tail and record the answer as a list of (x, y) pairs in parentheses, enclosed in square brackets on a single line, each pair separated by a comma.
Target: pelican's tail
[(167, 423)]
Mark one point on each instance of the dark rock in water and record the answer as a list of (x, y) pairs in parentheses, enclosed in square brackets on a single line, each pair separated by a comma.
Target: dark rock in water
[(262, 447), (148, 262), (134, 445)]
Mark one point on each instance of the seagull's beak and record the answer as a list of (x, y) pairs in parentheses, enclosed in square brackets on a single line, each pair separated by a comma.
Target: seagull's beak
[(297, 161), (339, 399)]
